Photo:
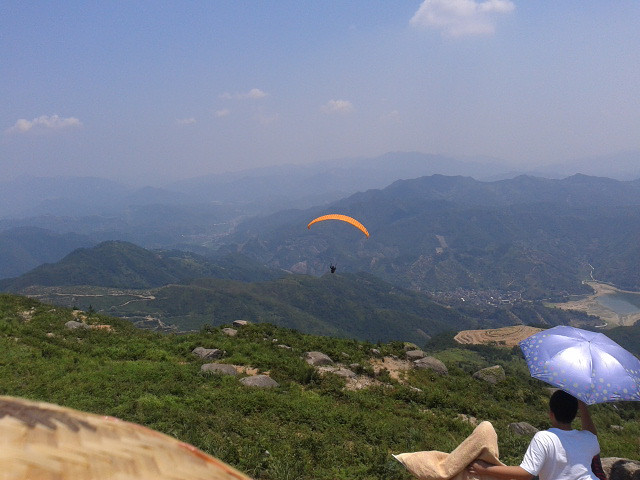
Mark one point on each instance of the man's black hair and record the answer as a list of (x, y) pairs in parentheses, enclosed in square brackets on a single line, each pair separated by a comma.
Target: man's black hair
[(563, 406)]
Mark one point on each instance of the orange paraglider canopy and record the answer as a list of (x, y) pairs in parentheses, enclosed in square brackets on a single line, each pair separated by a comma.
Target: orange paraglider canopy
[(344, 218)]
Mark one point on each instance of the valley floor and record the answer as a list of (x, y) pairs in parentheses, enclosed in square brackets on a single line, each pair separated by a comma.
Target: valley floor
[(592, 306)]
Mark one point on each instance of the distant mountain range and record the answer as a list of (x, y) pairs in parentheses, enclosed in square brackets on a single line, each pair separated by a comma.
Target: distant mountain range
[(530, 234), (261, 190), (25, 248), (535, 235), (268, 189)]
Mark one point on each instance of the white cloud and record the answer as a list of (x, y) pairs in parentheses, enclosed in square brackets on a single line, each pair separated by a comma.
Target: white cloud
[(222, 113), (44, 122), (186, 121), (337, 106), (253, 94), (458, 18)]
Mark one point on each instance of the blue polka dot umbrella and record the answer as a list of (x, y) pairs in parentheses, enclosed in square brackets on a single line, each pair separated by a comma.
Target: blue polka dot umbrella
[(588, 365)]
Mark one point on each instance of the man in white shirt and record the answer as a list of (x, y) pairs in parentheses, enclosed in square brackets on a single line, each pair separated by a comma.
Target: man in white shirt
[(559, 453)]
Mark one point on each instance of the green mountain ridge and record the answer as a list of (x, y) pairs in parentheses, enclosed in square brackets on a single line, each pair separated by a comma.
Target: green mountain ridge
[(120, 264), (184, 291)]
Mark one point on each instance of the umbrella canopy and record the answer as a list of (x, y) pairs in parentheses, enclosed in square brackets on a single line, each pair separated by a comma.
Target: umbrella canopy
[(588, 365)]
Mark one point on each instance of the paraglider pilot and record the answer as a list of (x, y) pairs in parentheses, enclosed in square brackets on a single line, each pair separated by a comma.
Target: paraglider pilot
[(332, 268)]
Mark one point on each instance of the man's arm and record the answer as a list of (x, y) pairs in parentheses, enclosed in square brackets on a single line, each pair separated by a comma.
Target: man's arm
[(585, 418), (500, 471)]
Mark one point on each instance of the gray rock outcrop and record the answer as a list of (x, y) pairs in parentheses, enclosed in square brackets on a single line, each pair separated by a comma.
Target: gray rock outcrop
[(431, 363), (240, 323), (415, 355), (73, 325), (317, 359), (344, 372), (259, 381), (621, 468), (522, 429), (491, 375), (470, 419), (208, 353), (231, 332), (220, 368)]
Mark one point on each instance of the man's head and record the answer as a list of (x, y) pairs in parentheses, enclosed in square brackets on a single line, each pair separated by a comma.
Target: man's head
[(563, 406)]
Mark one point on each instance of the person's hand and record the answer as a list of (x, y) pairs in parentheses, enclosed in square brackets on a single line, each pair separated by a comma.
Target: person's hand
[(476, 468)]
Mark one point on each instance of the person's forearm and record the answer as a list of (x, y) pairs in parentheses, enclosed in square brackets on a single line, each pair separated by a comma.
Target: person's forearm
[(506, 472), (585, 418)]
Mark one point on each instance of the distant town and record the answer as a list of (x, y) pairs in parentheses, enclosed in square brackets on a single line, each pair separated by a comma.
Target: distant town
[(479, 297)]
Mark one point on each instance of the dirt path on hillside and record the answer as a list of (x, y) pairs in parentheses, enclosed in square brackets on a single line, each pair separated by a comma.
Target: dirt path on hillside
[(591, 306)]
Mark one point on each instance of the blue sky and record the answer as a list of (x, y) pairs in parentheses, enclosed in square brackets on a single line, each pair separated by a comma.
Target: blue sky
[(149, 91)]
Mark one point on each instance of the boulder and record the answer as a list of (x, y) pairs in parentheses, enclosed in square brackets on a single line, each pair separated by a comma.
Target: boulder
[(318, 359), (208, 353), (431, 363), (282, 345), (470, 419), (221, 368), (621, 468), (491, 375), (72, 325), (409, 346), (522, 429), (415, 355), (344, 372), (231, 332), (240, 323), (259, 381)]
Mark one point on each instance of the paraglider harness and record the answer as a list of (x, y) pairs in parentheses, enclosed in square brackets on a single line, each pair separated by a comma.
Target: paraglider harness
[(332, 267)]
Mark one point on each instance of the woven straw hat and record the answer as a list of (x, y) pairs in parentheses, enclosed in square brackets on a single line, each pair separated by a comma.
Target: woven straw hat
[(42, 441)]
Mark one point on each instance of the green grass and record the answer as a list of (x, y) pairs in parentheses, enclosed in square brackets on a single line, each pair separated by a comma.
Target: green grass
[(308, 428)]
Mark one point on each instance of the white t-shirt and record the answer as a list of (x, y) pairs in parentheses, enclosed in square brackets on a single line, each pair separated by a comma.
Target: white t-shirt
[(556, 454)]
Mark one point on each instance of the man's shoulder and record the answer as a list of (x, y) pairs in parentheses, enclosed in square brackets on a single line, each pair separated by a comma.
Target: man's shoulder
[(544, 437), (545, 434)]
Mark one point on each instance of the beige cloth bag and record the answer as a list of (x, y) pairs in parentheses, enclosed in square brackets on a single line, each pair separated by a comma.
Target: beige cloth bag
[(481, 445)]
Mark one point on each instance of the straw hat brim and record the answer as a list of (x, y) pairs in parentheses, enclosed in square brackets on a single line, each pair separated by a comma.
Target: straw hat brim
[(40, 440)]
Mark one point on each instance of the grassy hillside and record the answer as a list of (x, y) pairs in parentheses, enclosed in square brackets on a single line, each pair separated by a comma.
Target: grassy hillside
[(311, 426), (346, 305)]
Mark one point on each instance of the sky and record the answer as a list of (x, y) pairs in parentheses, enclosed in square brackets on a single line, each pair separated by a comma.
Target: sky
[(151, 91)]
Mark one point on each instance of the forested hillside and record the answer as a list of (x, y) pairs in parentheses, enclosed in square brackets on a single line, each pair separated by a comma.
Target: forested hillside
[(125, 265), (537, 236), (182, 291)]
